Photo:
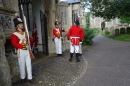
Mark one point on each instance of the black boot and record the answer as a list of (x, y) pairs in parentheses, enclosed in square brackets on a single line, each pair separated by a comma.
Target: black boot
[(23, 81), (58, 55), (31, 81), (80, 54), (77, 57), (71, 57)]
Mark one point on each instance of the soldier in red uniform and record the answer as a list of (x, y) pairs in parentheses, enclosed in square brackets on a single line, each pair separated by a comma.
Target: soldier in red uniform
[(18, 40), (75, 35), (57, 38)]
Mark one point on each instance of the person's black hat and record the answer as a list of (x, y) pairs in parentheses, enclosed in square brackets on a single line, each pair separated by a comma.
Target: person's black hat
[(77, 22), (17, 21), (56, 22)]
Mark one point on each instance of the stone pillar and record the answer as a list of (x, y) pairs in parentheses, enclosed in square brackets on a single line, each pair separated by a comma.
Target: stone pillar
[(5, 77)]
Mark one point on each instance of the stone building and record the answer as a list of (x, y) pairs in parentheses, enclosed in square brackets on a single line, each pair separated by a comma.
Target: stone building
[(70, 11), (95, 22), (114, 26)]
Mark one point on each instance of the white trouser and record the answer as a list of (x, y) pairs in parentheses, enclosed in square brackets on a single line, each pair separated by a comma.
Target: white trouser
[(80, 47), (74, 48), (58, 45), (23, 60)]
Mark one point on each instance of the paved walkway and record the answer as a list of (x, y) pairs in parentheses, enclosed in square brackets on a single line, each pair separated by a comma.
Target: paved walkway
[(105, 63), (108, 63)]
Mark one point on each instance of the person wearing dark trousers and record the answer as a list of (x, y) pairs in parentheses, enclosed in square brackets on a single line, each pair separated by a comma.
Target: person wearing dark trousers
[(75, 35), (102, 26)]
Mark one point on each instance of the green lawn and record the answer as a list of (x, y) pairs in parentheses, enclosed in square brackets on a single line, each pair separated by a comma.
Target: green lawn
[(121, 37), (106, 35)]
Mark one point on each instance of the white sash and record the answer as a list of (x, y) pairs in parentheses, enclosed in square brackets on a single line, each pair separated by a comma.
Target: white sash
[(57, 30), (21, 37)]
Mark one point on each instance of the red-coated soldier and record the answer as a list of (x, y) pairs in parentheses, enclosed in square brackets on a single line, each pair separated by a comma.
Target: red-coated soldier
[(57, 38), (18, 40), (75, 35)]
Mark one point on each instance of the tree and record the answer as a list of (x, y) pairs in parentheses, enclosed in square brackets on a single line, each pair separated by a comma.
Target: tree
[(125, 20), (109, 9)]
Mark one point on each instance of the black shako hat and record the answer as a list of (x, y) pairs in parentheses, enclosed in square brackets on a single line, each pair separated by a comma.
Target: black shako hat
[(56, 22), (17, 21), (77, 22)]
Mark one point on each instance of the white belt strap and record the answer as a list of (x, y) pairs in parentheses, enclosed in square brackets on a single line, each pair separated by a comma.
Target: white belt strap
[(21, 37)]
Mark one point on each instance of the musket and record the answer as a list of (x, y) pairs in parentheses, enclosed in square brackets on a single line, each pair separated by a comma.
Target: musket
[(61, 28), (27, 34)]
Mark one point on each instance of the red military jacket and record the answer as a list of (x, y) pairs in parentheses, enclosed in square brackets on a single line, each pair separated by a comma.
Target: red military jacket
[(15, 41), (76, 31), (75, 34), (57, 32)]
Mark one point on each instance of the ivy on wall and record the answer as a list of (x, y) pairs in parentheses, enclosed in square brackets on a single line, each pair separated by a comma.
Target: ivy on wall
[(88, 20)]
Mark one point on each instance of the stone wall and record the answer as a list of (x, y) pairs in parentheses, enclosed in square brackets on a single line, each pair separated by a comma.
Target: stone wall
[(8, 61), (5, 77), (63, 8), (95, 22)]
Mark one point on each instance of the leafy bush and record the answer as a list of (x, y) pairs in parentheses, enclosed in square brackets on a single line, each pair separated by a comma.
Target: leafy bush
[(107, 32), (89, 34)]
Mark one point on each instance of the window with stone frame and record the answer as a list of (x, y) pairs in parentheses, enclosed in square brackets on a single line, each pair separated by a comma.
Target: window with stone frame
[(6, 21)]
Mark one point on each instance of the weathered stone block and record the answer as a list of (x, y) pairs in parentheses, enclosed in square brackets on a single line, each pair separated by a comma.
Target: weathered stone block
[(5, 77), (14, 66)]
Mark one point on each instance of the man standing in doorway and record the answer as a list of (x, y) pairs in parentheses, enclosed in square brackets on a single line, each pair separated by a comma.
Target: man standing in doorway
[(18, 40), (57, 38)]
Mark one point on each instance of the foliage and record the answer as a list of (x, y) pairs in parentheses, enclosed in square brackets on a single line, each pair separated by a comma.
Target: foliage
[(108, 9), (89, 34), (125, 20), (88, 20), (106, 32), (123, 37)]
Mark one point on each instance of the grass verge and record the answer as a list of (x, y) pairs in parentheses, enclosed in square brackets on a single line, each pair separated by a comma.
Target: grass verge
[(121, 37)]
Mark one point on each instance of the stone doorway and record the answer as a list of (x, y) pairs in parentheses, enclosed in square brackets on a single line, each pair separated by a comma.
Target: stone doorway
[(31, 11)]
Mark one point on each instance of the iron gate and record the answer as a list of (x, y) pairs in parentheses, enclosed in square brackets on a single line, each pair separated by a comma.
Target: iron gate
[(44, 32)]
